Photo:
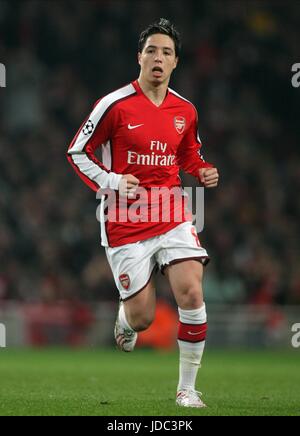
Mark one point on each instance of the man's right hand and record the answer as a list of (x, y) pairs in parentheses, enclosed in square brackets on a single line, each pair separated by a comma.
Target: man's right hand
[(128, 186)]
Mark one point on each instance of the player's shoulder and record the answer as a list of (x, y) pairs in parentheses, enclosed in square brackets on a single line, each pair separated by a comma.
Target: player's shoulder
[(184, 102), (115, 97)]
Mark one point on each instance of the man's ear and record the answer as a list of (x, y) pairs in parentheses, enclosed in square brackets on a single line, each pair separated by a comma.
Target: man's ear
[(139, 58), (176, 62)]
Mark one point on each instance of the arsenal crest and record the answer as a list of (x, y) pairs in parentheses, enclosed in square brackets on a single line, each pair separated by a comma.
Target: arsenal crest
[(125, 281), (179, 123)]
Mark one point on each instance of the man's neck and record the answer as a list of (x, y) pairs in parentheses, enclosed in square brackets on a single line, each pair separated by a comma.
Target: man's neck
[(156, 94)]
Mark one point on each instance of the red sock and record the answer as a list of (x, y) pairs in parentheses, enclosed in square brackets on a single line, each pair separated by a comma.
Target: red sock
[(192, 332)]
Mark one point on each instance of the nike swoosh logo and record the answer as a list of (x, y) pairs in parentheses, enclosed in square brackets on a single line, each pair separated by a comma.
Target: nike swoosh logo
[(130, 127), (195, 333)]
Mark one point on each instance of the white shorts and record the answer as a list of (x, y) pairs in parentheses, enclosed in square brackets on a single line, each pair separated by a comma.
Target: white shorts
[(133, 264)]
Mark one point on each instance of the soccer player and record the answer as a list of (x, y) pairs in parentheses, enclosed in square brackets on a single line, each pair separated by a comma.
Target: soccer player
[(147, 133)]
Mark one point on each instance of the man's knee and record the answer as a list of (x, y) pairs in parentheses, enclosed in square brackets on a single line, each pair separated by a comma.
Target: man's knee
[(141, 322), (191, 297)]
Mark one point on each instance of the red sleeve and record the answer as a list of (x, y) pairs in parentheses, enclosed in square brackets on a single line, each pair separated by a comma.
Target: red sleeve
[(95, 131), (189, 158)]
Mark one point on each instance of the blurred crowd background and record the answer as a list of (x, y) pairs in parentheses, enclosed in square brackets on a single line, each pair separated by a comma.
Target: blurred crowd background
[(62, 56)]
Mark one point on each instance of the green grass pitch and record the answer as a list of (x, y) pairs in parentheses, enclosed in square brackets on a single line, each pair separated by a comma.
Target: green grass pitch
[(111, 383)]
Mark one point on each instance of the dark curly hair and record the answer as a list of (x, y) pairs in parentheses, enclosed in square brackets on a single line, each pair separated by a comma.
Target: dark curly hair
[(164, 27)]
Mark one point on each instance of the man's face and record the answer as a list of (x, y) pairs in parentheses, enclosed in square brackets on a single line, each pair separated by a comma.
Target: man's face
[(158, 58)]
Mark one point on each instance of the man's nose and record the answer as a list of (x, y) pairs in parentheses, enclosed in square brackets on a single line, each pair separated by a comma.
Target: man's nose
[(158, 57)]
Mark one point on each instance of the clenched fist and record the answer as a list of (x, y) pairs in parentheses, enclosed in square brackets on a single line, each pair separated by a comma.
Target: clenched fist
[(128, 186), (209, 177)]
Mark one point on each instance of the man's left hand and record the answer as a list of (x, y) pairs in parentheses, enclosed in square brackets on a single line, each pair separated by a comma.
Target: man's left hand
[(209, 177)]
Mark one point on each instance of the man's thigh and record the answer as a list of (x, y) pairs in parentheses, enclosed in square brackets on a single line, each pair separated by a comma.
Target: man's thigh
[(185, 278), (142, 304)]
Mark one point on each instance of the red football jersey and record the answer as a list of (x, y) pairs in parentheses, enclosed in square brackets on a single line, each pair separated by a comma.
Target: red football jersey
[(151, 142)]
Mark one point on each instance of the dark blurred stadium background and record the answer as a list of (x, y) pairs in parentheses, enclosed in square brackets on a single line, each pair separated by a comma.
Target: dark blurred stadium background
[(61, 56)]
